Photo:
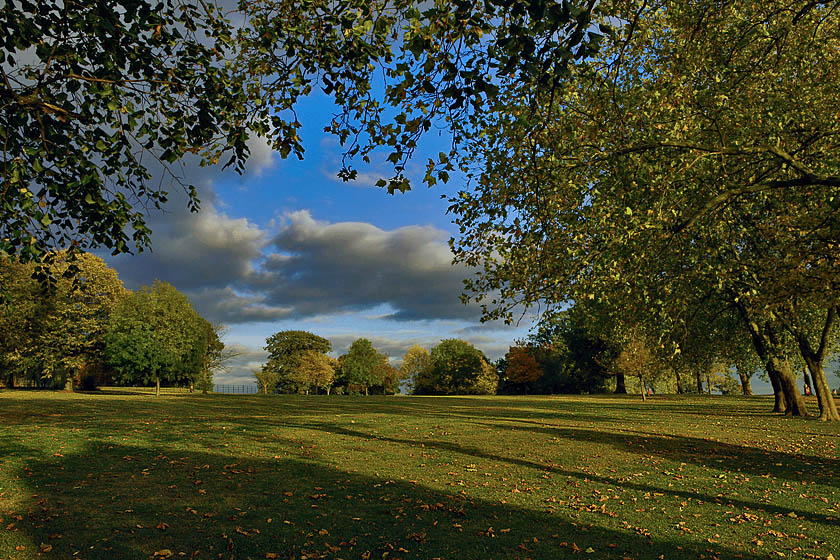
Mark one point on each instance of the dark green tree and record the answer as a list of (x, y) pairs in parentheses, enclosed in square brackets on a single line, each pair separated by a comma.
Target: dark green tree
[(284, 351), (361, 365), (155, 335)]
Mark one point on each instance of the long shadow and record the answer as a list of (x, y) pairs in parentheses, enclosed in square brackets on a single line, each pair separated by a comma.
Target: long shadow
[(588, 476), (704, 452), (115, 501)]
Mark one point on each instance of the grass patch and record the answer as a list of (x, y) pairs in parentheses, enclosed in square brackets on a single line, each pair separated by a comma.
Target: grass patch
[(116, 475)]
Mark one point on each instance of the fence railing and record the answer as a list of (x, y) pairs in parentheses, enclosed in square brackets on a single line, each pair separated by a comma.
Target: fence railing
[(235, 389)]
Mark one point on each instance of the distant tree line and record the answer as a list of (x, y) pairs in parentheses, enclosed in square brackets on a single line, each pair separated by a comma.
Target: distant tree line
[(89, 330)]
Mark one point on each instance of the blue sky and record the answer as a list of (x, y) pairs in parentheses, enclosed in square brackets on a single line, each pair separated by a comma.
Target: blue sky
[(288, 245)]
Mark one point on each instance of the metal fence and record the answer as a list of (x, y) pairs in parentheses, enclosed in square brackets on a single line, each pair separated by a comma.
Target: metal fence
[(237, 389)]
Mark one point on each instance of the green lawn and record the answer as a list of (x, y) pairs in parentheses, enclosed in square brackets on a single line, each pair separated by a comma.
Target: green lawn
[(128, 475)]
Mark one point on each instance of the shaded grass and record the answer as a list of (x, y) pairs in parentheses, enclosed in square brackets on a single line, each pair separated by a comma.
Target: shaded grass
[(124, 476)]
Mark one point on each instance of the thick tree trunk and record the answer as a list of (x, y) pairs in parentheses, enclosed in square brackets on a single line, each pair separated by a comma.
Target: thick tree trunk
[(779, 402), (746, 388), (620, 384), (699, 377), (828, 408), (787, 396), (679, 381), (793, 398), (814, 361)]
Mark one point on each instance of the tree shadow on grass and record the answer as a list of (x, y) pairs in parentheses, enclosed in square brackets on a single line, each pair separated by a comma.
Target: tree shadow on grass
[(116, 501), (620, 482), (704, 452)]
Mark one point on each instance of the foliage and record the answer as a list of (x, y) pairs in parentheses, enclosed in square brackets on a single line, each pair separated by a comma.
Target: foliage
[(155, 334), (266, 379), (96, 97), (361, 364), (667, 174), (416, 367), (314, 369), (522, 367), (284, 350), (457, 368), (396, 68), (56, 336)]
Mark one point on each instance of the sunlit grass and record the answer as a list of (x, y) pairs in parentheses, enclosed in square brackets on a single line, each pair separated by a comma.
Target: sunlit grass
[(117, 475)]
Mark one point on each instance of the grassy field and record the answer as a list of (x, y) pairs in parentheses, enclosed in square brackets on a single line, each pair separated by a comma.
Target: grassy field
[(133, 476)]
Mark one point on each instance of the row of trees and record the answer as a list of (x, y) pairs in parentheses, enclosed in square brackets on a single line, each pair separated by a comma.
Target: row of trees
[(298, 363), (89, 330)]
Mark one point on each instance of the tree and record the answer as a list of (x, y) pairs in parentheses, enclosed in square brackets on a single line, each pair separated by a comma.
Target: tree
[(284, 351), (155, 334), (522, 367), (55, 337), (360, 364), (416, 366), (95, 97), (314, 369), (456, 367), (640, 183), (266, 379)]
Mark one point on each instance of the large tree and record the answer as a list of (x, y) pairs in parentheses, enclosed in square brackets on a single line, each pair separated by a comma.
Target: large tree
[(284, 351), (693, 161), (361, 364), (155, 334), (56, 337)]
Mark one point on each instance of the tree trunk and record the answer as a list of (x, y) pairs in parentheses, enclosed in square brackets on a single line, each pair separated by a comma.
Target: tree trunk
[(828, 408), (809, 388), (204, 384), (793, 398), (779, 401), (679, 381), (157, 385), (699, 377), (766, 345), (366, 391), (746, 388), (814, 361), (620, 384), (642, 386), (708, 383)]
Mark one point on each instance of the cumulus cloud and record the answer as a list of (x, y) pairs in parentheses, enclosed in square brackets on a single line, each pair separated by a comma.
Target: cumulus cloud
[(321, 267)]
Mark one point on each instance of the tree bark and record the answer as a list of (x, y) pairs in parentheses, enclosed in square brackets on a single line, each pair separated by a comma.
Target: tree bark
[(642, 388), (746, 388), (814, 361), (698, 375), (157, 385), (708, 383), (679, 381), (779, 401), (620, 384), (788, 399)]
